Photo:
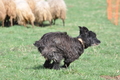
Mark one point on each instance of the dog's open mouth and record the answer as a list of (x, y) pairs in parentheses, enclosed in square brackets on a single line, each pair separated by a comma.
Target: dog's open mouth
[(95, 44)]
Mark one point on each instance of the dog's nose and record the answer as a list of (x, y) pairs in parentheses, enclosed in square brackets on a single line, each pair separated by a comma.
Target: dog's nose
[(99, 42), (34, 44)]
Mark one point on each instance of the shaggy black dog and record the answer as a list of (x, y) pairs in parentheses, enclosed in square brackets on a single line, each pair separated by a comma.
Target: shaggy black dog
[(55, 46)]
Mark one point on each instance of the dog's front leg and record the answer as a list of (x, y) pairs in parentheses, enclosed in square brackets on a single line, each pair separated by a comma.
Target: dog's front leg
[(47, 64), (67, 63), (56, 65)]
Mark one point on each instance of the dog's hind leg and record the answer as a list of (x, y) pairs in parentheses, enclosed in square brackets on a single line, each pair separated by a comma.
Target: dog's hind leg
[(47, 64)]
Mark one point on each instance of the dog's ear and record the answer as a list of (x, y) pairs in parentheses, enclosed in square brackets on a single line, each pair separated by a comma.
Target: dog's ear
[(83, 30), (80, 29)]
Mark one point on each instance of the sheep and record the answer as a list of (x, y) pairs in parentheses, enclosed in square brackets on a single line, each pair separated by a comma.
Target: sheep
[(42, 12), (24, 13), (10, 8), (2, 12), (31, 3), (37, 0), (58, 10)]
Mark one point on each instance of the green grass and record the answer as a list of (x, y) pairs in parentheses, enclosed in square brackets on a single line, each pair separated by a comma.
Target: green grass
[(20, 60)]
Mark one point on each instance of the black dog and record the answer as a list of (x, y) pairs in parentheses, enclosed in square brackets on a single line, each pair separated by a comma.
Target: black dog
[(55, 46)]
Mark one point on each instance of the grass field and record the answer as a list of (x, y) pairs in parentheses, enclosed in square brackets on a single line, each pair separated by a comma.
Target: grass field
[(20, 60)]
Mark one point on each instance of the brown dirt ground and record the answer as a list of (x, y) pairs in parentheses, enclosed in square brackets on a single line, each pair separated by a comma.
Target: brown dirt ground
[(111, 78)]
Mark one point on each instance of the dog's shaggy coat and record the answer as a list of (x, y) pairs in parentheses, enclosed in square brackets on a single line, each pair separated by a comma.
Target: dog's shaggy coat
[(56, 46)]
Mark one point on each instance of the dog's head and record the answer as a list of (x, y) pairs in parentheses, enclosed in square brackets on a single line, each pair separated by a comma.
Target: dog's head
[(89, 37), (37, 44)]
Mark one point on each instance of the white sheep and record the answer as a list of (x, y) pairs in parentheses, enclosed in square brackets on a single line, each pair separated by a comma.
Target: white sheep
[(31, 3), (10, 8), (58, 9), (2, 12), (24, 13), (42, 12)]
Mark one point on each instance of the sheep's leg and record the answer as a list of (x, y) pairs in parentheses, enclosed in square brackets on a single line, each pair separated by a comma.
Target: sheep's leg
[(63, 22), (15, 22), (47, 64), (32, 24), (11, 21), (36, 23), (6, 20), (24, 24), (3, 23), (50, 23), (54, 22), (41, 24)]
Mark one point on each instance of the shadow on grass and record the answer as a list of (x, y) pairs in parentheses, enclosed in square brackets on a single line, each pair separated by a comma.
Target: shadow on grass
[(36, 67), (41, 67), (43, 25)]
